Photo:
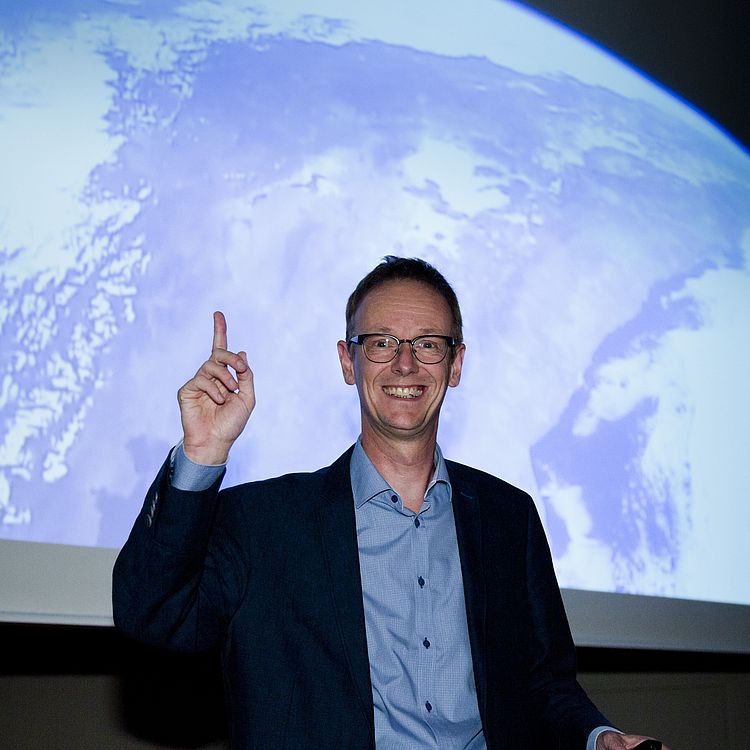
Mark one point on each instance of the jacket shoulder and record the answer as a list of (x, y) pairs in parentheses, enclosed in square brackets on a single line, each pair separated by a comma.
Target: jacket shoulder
[(298, 484), (469, 479), (291, 483)]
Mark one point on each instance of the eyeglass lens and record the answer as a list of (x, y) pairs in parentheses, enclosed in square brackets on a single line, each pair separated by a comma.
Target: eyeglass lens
[(427, 349)]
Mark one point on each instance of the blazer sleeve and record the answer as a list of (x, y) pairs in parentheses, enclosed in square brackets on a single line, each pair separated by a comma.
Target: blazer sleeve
[(179, 576)]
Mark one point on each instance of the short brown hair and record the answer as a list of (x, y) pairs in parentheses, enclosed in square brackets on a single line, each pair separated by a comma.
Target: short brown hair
[(394, 268)]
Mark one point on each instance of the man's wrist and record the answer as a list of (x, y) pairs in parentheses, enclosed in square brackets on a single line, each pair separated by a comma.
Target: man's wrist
[(591, 744), (205, 455), (189, 475)]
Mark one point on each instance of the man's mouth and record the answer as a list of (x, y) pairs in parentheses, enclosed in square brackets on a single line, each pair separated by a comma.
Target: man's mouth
[(413, 391)]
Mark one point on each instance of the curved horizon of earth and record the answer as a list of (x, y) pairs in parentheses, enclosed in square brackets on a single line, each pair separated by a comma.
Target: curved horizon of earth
[(598, 242)]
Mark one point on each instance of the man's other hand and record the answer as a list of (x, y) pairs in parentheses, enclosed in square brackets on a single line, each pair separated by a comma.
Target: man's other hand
[(615, 741), (215, 404)]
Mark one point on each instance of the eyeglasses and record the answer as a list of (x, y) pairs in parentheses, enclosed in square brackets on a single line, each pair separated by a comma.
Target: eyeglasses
[(382, 348)]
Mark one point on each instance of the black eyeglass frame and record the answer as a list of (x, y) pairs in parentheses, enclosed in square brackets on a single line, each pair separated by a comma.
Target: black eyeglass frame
[(362, 337)]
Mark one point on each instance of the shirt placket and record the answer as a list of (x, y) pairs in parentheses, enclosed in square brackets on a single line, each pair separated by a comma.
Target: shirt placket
[(425, 626)]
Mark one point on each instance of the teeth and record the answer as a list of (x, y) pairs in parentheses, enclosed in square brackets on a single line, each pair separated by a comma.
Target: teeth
[(399, 392)]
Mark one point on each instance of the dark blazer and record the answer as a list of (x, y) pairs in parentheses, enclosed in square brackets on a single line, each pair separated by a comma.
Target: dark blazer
[(269, 572)]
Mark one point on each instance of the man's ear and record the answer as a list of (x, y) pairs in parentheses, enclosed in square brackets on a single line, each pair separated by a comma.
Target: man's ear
[(458, 362), (347, 364)]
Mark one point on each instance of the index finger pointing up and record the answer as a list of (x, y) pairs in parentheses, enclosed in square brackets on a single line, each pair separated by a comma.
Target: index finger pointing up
[(220, 331)]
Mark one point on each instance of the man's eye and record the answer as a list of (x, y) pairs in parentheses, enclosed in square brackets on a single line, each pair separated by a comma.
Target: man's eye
[(381, 343)]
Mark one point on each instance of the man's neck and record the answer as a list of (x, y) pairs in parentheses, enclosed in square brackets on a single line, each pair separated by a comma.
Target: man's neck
[(407, 466)]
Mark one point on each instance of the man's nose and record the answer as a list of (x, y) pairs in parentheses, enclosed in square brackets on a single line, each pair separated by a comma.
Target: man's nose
[(405, 362)]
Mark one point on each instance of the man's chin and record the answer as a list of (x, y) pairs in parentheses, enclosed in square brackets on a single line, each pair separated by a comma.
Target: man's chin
[(400, 430)]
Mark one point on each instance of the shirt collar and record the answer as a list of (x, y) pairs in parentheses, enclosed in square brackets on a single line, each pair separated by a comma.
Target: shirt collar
[(367, 481)]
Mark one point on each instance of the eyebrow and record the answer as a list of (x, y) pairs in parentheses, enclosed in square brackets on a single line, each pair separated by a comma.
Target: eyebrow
[(420, 331)]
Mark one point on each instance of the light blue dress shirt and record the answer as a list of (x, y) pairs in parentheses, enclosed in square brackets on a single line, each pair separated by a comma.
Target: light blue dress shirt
[(424, 695), (423, 687)]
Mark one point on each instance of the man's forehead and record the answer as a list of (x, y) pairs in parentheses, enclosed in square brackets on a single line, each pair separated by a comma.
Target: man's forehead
[(405, 290), (393, 303)]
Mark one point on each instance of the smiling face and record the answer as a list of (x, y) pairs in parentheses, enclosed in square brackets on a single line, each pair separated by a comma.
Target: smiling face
[(400, 400)]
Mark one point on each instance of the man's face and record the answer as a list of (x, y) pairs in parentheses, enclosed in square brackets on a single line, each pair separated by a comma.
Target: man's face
[(400, 400)]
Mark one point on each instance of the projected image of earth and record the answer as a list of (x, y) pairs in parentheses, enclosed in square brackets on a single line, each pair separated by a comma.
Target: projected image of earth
[(159, 165)]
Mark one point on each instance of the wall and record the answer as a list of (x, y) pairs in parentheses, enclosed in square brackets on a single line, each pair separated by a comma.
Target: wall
[(88, 688)]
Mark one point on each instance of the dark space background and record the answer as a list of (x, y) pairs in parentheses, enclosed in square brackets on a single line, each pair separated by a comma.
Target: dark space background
[(698, 49)]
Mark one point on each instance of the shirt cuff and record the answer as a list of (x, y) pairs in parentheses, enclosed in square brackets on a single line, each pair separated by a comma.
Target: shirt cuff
[(591, 744), (189, 476)]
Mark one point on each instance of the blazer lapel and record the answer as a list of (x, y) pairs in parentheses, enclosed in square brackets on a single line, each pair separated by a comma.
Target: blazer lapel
[(469, 535), (339, 535)]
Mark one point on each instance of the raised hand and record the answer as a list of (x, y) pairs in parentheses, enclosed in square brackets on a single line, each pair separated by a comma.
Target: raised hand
[(216, 404)]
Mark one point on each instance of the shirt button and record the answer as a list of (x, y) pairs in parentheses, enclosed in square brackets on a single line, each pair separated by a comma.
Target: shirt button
[(416, 522), (428, 705), (426, 643), (394, 498), (420, 581)]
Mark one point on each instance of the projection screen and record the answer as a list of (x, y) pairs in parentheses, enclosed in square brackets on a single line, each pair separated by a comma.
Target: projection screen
[(161, 161)]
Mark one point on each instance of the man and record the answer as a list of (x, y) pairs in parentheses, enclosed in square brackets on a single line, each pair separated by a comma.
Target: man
[(391, 600)]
